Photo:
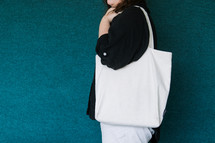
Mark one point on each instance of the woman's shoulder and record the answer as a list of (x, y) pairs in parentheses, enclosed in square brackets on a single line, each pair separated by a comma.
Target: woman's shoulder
[(130, 14), (132, 10)]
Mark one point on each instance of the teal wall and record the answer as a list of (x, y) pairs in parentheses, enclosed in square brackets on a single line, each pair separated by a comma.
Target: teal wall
[(47, 64), (187, 28)]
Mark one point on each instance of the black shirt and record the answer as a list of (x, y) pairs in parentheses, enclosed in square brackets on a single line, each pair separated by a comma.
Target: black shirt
[(126, 41)]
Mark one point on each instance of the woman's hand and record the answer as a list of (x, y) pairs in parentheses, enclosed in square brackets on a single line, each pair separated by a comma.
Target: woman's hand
[(110, 14)]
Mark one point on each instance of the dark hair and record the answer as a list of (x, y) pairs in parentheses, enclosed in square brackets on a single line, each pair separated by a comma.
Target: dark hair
[(124, 4)]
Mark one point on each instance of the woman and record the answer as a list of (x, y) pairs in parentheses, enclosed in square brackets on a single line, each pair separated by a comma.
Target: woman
[(123, 38)]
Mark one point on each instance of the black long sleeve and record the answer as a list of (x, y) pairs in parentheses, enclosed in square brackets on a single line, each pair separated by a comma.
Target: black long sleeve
[(126, 40)]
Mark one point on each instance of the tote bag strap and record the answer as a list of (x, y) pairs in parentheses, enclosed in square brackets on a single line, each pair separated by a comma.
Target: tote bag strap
[(151, 39)]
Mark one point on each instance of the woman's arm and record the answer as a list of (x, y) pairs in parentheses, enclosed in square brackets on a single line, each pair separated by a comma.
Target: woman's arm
[(123, 40)]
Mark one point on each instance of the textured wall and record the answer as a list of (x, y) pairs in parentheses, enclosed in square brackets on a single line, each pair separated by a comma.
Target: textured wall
[(187, 28), (47, 63)]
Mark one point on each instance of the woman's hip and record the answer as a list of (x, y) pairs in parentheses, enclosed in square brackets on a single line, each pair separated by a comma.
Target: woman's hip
[(125, 134)]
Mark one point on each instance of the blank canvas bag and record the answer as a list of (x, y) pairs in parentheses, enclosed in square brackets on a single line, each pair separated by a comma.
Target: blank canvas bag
[(137, 93)]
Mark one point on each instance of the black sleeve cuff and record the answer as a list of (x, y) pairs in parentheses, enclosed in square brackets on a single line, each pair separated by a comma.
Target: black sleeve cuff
[(102, 42)]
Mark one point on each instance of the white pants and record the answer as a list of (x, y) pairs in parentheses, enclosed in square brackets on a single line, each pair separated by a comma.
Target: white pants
[(125, 134)]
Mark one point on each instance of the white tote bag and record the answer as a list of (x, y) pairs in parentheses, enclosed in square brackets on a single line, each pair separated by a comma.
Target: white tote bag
[(137, 93)]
